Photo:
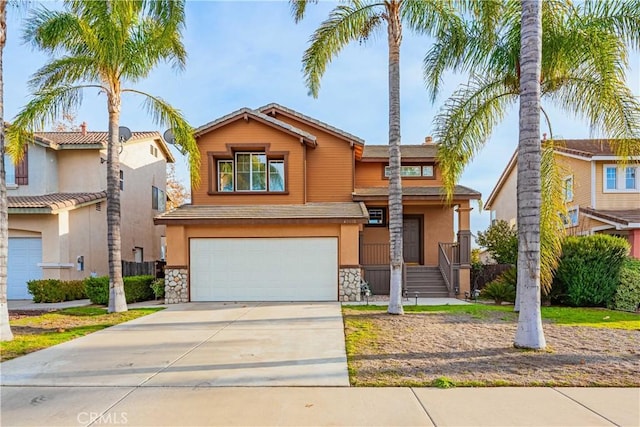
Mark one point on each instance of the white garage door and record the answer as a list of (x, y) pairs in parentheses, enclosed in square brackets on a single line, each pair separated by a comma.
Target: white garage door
[(24, 256), (264, 269)]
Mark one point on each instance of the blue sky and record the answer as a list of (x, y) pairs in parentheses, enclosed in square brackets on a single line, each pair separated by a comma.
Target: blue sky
[(247, 54)]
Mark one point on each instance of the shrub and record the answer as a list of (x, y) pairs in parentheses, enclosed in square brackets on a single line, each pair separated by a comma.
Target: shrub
[(503, 288), (588, 271), (136, 288), (53, 290), (501, 240), (627, 296), (157, 286)]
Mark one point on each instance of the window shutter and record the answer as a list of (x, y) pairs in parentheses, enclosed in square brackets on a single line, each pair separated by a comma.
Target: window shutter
[(22, 169)]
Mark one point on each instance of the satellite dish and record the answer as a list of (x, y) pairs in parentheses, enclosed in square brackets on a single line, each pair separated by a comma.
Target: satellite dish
[(170, 138), (125, 133)]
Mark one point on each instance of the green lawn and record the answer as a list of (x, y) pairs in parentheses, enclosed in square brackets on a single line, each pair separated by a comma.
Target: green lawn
[(34, 333), (570, 316)]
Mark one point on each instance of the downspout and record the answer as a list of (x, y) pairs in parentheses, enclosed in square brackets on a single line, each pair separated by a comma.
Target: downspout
[(304, 173)]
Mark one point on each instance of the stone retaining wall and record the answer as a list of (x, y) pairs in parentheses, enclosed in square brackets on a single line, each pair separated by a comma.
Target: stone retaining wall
[(176, 287), (349, 281)]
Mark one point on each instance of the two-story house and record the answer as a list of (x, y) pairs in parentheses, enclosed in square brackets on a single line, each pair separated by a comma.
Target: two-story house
[(291, 208), (57, 205), (602, 192)]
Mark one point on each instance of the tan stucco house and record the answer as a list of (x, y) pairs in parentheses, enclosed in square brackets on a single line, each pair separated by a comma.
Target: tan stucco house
[(601, 191), (57, 205), (291, 208)]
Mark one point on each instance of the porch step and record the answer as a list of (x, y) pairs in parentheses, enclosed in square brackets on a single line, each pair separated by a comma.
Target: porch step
[(425, 282)]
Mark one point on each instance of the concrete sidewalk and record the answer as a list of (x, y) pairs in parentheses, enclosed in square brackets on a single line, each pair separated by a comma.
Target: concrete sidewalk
[(318, 406)]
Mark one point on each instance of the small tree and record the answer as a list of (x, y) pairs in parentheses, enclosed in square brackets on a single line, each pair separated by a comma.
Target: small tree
[(501, 240), (177, 193)]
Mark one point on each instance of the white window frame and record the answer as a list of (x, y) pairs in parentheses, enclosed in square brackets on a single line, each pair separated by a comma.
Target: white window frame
[(635, 178), (383, 217), (233, 175), (621, 179), (567, 188), (421, 169), (569, 220), (284, 181), (10, 171)]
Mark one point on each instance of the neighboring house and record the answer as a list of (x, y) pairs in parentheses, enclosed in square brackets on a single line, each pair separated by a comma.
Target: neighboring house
[(57, 205), (601, 191), (291, 208)]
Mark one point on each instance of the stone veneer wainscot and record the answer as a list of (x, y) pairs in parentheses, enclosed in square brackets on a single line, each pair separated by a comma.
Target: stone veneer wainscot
[(349, 281), (176, 288)]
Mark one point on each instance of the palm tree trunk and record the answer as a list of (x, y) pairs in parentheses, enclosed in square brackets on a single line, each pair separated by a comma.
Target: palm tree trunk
[(394, 31), (117, 300), (529, 333), (5, 328)]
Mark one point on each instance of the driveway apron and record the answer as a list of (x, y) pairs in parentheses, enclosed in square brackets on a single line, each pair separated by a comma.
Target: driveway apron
[(199, 345)]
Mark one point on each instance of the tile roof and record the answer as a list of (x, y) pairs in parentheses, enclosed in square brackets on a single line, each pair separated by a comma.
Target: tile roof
[(419, 192), (320, 212), (54, 201), (257, 115), (90, 138), (589, 147), (621, 216), (274, 106), (406, 151)]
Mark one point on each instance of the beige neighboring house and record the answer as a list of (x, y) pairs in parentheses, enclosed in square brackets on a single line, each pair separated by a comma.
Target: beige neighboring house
[(601, 191), (57, 206)]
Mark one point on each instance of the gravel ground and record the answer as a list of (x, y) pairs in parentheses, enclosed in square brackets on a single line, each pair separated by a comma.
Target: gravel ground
[(418, 348)]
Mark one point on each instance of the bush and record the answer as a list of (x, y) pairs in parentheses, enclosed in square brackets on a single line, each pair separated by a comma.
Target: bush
[(627, 296), (157, 286), (503, 288), (136, 288), (53, 290), (501, 241), (587, 275)]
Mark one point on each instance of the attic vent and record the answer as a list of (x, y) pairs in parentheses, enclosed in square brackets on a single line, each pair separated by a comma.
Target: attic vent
[(99, 207)]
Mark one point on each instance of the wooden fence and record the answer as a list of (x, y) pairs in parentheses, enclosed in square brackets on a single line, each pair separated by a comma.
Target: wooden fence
[(150, 268)]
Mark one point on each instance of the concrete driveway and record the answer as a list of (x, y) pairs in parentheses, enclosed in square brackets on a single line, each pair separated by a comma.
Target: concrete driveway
[(199, 345)]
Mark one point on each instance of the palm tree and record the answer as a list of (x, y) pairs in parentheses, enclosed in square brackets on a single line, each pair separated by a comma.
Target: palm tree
[(529, 333), (357, 20), (103, 45), (5, 328), (583, 65)]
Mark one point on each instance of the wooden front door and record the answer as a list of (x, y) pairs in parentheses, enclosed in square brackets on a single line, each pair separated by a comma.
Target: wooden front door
[(412, 239)]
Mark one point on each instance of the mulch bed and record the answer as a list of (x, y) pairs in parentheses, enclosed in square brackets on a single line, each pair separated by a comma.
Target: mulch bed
[(418, 348)]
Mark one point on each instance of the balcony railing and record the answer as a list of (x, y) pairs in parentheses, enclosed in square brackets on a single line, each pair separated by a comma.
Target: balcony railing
[(374, 254)]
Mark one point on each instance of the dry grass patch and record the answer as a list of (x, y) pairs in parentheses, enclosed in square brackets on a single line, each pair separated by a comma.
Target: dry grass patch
[(475, 348)]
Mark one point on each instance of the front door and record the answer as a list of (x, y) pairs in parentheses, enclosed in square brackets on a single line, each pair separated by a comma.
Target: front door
[(412, 239)]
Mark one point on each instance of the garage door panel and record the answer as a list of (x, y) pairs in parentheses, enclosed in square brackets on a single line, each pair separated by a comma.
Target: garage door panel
[(22, 266), (264, 269)]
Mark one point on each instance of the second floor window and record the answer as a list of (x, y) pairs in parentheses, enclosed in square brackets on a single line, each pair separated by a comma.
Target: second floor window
[(416, 171), (158, 199), (618, 179), (10, 170), (251, 172), (568, 189), (121, 179)]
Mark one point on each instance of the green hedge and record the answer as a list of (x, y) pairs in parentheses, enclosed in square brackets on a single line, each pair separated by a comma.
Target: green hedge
[(136, 288), (53, 290), (588, 271), (627, 296)]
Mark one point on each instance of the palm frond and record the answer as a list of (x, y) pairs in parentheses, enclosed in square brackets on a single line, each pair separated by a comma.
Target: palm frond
[(552, 210), (429, 16), (621, 17), (346, 23), (165, 115), (466, 122), (299, 7), (65, 71), (44, 108)]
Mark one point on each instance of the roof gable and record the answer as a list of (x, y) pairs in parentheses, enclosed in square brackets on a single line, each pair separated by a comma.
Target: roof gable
[(273, 108), (249, 114)]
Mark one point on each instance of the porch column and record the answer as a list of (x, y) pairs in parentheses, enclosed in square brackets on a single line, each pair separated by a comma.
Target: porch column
[(634, 239), (464, 247), (176, 271)]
